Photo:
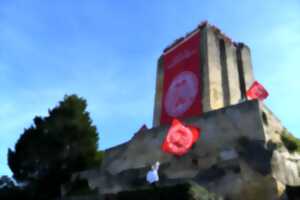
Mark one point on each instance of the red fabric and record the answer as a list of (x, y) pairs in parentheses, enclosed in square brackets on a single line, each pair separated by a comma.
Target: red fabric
[(257, 91), (196, 133), (180, 138), (182, 85)]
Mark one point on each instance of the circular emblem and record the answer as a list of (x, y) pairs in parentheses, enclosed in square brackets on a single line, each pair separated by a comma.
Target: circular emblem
[(181, 93), (180, 139)]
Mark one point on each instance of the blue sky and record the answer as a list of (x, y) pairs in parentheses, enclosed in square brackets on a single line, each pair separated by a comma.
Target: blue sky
[(106, 52)]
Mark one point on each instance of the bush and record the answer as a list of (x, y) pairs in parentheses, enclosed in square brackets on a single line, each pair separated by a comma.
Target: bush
[(14, 193), (290, 142), (98, 159), (80, 187), (54, 147)]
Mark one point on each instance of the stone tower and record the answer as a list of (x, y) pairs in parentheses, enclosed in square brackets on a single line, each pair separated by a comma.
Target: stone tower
[(223, 69), (202, 79)]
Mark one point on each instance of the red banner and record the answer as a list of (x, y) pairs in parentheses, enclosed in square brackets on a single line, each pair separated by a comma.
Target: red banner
[(182, 84)]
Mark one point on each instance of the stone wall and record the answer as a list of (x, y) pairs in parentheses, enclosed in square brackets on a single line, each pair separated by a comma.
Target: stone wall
[(214, 157), (271, 124), (220, 130), (234, 157), (158, 92), (285, 165)]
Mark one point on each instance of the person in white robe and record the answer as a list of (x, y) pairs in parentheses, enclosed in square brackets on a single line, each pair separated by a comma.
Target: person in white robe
[(152, 175)]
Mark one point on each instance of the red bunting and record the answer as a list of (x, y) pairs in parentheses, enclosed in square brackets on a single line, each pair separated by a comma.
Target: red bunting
[(182, 81), (180, 138), (257, 91)]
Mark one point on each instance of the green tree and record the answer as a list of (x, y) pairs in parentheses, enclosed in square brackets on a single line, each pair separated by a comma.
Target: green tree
[(8, 190), (54, 147)]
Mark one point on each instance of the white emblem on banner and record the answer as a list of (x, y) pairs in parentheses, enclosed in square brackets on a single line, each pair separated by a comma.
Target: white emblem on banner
[(181, 93)]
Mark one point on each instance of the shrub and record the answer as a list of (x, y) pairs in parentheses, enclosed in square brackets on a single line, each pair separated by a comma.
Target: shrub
[(290, 142), (80, 187)]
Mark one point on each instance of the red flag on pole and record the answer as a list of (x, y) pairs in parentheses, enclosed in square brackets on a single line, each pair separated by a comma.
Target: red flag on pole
[(257, 91), (180, 138)]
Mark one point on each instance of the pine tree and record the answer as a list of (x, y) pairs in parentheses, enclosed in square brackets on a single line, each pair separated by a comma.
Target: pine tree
[(48, 152)]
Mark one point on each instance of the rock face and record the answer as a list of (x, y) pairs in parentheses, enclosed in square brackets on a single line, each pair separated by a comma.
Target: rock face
[(236, 157)]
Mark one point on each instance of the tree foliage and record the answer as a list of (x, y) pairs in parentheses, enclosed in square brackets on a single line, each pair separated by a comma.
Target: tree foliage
[(55, 146), (8, 190), (290, 141), (5, 181)]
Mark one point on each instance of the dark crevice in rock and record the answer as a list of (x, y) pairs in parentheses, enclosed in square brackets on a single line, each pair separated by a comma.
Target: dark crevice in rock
[(265, 118), (241, 71), (293, 192), (255, 155), (209, 175)]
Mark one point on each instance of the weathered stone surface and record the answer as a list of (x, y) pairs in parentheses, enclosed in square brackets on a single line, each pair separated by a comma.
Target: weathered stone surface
[(254, 153), (286, 168), (158, 93), (233, 74), (246, 65), (271, 124), (204, 68), (219, 161), (214, 74), (259, 189), (220, 129), (228, 154)]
